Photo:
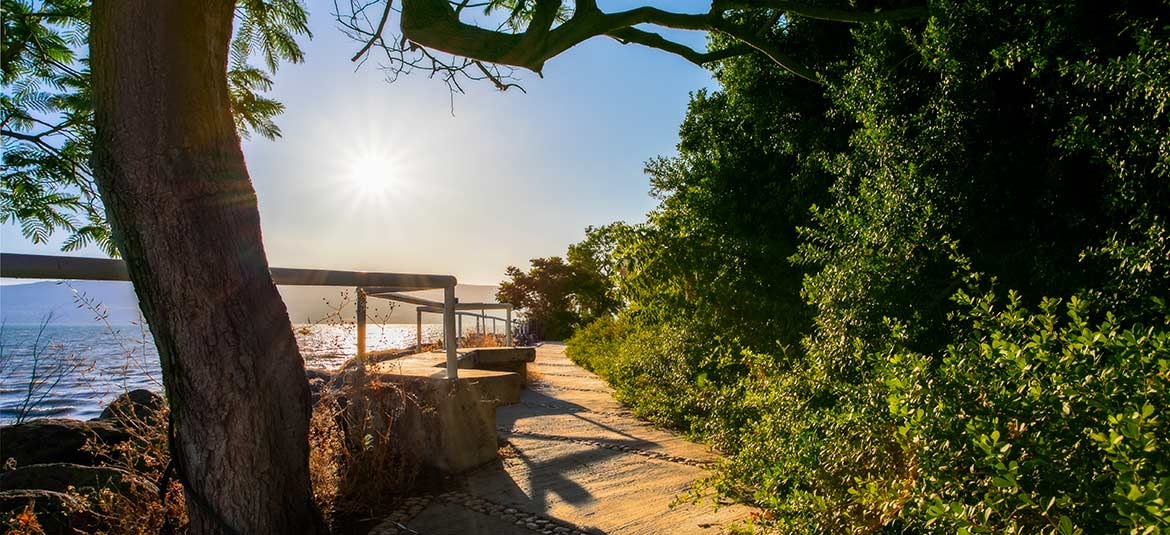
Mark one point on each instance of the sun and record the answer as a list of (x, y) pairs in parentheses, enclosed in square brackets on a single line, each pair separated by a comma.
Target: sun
[(370, 174)]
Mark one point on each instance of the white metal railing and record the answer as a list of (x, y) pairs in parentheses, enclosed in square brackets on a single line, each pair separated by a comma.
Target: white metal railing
[(436, 307), (26, 266)]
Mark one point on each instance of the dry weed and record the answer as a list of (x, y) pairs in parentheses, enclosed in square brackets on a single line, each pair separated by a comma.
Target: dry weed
[(359, 463)]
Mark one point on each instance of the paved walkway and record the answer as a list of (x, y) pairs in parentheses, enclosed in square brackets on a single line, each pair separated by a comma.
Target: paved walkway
[(573, 461)]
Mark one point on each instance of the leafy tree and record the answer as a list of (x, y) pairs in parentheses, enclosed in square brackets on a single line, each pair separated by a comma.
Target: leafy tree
[(46, 110), (597, 270), (710, 291), (557, 296)]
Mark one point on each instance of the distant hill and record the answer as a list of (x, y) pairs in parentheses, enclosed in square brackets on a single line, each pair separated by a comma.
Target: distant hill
[(30, 303)]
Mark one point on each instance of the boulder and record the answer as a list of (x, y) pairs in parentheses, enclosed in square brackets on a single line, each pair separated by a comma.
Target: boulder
[(55, 440), (140, 405), (318, 382), (60, 476), (56, 512)]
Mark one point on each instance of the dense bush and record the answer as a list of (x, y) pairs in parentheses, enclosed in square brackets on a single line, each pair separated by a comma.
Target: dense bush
[(1038, 421), (926, 297)]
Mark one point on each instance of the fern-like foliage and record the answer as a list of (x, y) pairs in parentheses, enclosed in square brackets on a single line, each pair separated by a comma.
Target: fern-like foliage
[(46, 108), (268, 29)]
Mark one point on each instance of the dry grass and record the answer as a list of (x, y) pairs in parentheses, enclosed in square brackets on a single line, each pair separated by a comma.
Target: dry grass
[(532, 373), (483, 340), (24, 523), (134, 507), (359, 464)]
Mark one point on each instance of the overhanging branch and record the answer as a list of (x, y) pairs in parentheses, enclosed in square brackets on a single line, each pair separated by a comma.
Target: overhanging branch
[(377, 35), (435, 25), (653, 40), (761, 43)]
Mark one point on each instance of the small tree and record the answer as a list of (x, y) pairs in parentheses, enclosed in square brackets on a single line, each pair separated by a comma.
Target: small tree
[(545, 293), (560, 296)]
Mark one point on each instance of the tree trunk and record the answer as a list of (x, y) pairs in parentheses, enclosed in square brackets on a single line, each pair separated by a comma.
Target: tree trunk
[(171, 173)]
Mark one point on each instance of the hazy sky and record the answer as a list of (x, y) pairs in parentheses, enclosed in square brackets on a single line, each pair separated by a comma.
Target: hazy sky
[(382, 176)]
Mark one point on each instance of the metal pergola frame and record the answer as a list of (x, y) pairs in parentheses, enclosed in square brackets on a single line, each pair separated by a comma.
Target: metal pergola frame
[(381, 285), (435, 307)]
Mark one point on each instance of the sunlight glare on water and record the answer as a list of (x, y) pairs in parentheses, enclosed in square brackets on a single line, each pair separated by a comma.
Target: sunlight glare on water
[(105, 362)]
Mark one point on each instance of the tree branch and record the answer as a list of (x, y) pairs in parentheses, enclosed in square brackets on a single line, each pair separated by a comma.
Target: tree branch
[(653, 40), (23, 137), (652, 15), (543, 17), (435, 25), (769, 49), (495, 80), (584, 6), (377, 33)]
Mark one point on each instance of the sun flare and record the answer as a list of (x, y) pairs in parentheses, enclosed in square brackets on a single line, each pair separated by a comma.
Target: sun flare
[(370, 173)]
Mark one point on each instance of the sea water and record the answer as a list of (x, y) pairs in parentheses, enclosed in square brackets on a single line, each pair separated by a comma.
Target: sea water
[(72, 371)]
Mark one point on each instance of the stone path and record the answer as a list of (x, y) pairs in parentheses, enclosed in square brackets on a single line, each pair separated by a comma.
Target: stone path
[(573, 461)]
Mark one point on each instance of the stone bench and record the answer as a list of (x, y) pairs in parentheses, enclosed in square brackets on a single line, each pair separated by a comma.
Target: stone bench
[(504, 359), (455, 421)]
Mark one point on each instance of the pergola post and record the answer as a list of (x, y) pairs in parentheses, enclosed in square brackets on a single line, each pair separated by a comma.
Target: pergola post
[(508, 327), (449, 332), (418, 331), (361, 327)]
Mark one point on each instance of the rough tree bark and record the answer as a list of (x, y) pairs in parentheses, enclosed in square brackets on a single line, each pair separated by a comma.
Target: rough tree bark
[(171, 173)]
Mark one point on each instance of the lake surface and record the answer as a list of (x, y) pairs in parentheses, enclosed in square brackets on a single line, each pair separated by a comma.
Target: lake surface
[(78, 369)]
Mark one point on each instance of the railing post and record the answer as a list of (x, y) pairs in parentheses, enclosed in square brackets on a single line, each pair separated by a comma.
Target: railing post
[(361, 326), (459, 332), (418, 329), (508, 327), (449, 332)]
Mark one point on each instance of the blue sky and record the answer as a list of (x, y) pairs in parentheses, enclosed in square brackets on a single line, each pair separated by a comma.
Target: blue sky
[(399, 176)]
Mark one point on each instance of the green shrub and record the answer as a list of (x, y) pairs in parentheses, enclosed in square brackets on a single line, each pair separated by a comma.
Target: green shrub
[(1038, 422), (657, 370)]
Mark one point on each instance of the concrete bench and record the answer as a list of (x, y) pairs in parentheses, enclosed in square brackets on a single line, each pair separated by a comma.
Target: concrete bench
[(504, 359), (455, 421)]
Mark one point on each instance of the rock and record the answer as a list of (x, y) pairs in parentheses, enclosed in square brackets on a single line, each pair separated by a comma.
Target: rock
[(60, 476), (140, 405), (318, 382), (55, 440), (57, 513)]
